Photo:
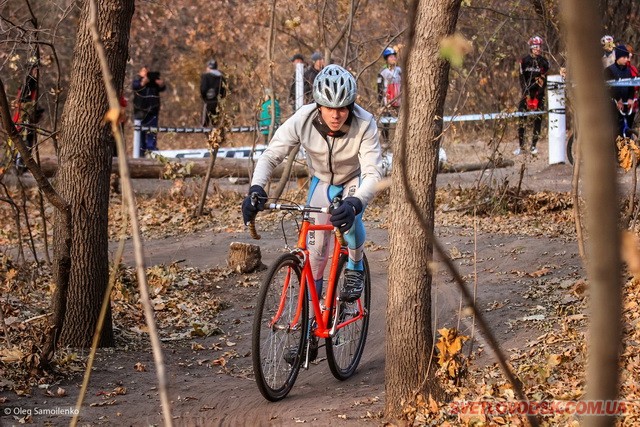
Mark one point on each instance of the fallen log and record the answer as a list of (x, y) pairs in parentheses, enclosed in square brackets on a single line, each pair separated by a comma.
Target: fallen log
[(451, 168), (227, 167), (173, 168)]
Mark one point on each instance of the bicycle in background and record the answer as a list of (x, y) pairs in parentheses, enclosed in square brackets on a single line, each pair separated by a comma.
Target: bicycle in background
[(286, 333)]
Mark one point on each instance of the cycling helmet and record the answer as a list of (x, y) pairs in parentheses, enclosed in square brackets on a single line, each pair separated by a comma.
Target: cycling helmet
[(388, 52), (334, 87), (212, 64), (606, 39), (535, 41)]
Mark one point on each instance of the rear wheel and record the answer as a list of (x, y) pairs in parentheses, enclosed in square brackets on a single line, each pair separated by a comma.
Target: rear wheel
[(279, 328), (345, 348)]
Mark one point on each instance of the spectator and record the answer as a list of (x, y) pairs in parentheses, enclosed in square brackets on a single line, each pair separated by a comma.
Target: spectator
[(389, 88), (317, 64), (608, 57), (147, 86), (27, 113), (622, 95), (295, 60), (266, 114), (213, 87), (533, 81)]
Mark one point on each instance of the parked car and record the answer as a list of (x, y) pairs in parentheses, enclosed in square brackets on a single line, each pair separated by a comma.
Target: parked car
[(201, 153)]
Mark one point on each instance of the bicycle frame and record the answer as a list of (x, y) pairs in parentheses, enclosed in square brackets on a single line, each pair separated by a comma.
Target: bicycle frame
[(321, 313)]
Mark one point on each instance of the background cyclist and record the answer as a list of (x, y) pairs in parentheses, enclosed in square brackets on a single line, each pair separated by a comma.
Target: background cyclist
[(344, 158), (389, 88), (533, 81)]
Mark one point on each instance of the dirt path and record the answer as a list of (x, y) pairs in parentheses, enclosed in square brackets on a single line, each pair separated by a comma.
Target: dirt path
[(507, 268), (205, 394)]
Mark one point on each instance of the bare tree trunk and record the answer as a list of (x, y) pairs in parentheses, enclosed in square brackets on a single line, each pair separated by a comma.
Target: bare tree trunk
[(601, 196), (409, 338), (83, 175)]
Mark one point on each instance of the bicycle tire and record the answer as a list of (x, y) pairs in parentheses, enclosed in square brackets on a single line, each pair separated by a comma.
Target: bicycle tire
[(276, 350), (345, 348)]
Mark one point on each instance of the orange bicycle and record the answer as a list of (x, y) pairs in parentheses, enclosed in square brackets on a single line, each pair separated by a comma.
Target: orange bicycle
[(283, 332)]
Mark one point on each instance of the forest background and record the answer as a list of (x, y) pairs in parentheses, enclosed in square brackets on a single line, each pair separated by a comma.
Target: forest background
[(486, 81), (178, 38)]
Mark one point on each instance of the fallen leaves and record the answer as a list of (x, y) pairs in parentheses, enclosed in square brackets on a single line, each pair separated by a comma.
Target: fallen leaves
[(11, 355), (118, 391), (449, 348), (627, 150), (171, 213)]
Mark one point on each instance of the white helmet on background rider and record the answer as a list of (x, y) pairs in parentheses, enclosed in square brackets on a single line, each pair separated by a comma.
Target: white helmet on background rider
[(606, 39), (334, 87), (535, 41)]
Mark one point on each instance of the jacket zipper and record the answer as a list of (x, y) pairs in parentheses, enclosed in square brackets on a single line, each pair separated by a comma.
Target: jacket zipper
[(330, 147)]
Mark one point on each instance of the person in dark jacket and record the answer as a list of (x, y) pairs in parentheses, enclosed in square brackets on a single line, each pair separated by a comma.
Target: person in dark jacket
[(147, 86), (317, 64), (533, 82), (623, 96), (27, 112), (213, 87)]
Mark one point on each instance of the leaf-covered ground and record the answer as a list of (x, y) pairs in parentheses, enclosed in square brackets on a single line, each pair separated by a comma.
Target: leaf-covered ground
[(551, 365)]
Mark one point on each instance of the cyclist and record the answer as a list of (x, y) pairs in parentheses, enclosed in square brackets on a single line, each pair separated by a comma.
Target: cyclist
[(533, 81), (389, 81), (608, 57), (623, 96), (389, 84), (344, 158)]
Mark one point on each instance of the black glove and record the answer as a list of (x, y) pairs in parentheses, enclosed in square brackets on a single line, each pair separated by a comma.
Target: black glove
[(344, 215), (249, 210)]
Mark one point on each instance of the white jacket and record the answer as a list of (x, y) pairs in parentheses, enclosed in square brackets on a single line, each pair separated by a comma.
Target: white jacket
[(334, 160)]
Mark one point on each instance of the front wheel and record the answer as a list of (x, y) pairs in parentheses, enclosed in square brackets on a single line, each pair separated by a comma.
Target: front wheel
[(345, 348), (279, 328)]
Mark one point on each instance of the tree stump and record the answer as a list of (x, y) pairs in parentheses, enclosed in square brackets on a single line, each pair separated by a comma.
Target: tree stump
[(244, 257)]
